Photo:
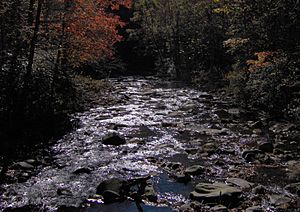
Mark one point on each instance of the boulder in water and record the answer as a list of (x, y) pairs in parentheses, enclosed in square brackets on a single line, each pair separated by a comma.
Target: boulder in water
[(266, 147), (112, 190), (216, 192), (113, 139), (149, 192)]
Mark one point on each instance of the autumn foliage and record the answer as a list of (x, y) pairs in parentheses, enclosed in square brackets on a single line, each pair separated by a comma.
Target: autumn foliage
[(41, 41), (91, 29), (264, 59)]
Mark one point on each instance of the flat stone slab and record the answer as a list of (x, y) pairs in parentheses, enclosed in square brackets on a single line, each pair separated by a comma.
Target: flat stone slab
[(210, 193), (278, 200), (243, 184), (25, 165), (195, 170)]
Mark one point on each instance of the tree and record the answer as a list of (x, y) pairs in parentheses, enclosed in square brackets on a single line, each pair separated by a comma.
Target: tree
[(185, 35), (88, 30), (42, 40)]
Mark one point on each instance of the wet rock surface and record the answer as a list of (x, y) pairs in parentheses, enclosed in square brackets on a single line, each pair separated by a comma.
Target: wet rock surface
[(216, 192), (162, 147)]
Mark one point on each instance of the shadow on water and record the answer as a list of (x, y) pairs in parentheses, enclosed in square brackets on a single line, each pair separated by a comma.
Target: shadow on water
[(164, 185), (126, 206)]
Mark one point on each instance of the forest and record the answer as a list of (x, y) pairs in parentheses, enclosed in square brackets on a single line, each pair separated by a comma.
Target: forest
[(149, 105)]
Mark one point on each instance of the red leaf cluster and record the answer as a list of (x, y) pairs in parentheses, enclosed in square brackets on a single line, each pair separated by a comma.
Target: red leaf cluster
[(91, 31)]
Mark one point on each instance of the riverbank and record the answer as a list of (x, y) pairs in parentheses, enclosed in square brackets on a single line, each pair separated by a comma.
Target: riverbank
[(25, 139)]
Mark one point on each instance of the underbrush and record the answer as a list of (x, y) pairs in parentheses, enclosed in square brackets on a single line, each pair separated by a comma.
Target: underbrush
[(268, 84), (44, 115)]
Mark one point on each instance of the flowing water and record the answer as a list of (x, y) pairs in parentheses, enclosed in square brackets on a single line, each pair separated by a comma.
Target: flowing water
[(160, 121)]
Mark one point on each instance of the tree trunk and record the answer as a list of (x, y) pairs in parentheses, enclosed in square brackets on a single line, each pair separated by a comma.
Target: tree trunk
[(31, 12), (177, 48), (32, 47), (60, 63), (33, 44), (2, 47)]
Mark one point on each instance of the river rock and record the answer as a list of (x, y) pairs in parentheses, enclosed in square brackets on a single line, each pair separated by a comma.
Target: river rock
[(168, 124), (175, 166), (213, 132), (191, 150), (188, 107), (257, 131), (294, 170), (149, 192), (234, 111), (283, 127), (31, 161), (186, 208), (112, 190), (219, 208), (183, 178), (254, 209), (149, 92), (206, 96), (69, 209), (250, 155), (266, 147), (64, 192), (256, 125), (293, 188), (83, 170), (223, 114), (221, 151), (25, 165), (277, 151), (209, 148), (113, 139), (279, 200), (176, 114), (243, 184), (194, 170), (259, 190), (216, 192)]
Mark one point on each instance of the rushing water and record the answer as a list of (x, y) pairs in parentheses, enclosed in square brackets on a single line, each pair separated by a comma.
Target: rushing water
[(159, 120)]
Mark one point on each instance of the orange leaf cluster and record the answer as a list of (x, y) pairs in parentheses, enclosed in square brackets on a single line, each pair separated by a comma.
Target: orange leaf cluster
[(91, 30), (264, 59)]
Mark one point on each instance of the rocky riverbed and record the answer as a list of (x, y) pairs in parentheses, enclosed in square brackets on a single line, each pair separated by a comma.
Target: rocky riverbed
[(162, 147)]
